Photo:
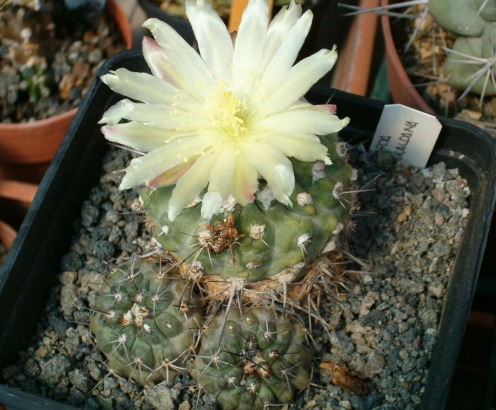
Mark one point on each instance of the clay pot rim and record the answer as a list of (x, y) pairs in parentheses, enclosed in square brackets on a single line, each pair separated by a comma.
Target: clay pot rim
[(17, 191), (38, 123), (7, 234), (395, 64)]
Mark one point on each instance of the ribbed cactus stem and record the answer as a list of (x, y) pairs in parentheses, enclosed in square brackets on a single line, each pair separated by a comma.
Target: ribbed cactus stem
[(252, 360), (145, 321)]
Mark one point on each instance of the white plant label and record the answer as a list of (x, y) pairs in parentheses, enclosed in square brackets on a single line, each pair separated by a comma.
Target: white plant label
[(410, 135)]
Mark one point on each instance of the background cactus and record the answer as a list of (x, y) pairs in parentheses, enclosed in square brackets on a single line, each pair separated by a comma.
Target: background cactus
[(145, 321), (265, 239), (471, 61), (252, 360)]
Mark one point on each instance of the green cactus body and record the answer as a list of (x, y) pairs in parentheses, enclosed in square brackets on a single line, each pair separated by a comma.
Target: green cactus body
[(460, 73), (252, 360), (270, 239), (463, 17), (145, 321), (472, 54)]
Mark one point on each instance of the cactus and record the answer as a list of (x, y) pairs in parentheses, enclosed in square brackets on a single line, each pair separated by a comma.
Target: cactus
[(470, 62), (145, 321), (252, 360), (264, 241), (247, 186)]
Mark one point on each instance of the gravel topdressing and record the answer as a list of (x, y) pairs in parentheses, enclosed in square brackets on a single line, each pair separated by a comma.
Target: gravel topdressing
[(383, 320)]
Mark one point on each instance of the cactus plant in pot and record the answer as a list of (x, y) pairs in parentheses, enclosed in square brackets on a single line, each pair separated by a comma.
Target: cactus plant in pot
[(441, 59), (50, 53), (227, 281)]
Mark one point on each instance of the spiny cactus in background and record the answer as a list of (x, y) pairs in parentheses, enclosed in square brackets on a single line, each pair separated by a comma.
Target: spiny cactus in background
[(247, 185), (471, 60), (265, 243), (145, 321), (252, 360), (470, 63)]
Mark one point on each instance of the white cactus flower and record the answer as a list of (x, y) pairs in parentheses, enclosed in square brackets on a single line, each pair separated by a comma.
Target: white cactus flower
[(222, 118)]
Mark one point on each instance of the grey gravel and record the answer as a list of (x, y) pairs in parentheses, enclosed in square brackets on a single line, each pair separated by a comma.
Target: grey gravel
[(383, 325)]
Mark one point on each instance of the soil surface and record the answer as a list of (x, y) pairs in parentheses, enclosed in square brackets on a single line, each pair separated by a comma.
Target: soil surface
[(383, 318), (49, 57)]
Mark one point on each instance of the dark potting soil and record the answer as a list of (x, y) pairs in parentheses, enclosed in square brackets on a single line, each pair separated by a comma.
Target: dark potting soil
[(382, 319)]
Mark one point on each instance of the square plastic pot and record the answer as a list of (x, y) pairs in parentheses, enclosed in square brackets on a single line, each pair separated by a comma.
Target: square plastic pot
[(32, 265)]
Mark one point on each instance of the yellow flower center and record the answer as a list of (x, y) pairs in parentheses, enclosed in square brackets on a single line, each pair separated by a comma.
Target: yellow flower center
[(229, 118)]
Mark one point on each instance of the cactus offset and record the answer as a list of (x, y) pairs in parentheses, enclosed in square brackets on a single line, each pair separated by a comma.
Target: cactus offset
[(145, 321), (252, 360)]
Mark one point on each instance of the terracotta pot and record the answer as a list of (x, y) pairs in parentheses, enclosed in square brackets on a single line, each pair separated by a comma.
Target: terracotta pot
[(352, 69), (27, 148), (7, 234), (16, 198), (401, 87)]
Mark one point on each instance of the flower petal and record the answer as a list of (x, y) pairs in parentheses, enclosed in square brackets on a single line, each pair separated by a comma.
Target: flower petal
[(285, 56), (148, 167), (117, 112), (278, 29), (191, 184), (211, 205), (219, 186), (299, 79), (187, 63), (161, 65), (171, 176), (146, 88), (249, 46), (245, 181), (140, 136), (273, 166), (304, 121), (214, 41), (300, 146), (155, 115), (222, 172)]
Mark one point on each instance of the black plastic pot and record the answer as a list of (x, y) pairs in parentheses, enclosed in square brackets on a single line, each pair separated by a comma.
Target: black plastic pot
[(33, 263)]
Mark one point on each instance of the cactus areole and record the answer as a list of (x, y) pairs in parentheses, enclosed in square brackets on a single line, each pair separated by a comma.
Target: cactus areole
[(247, 186)]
